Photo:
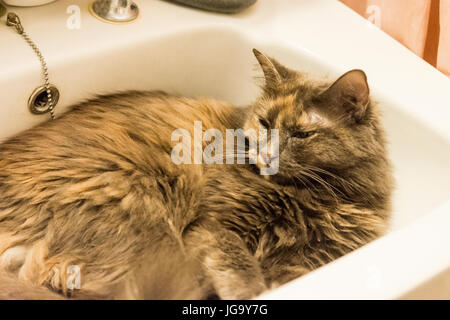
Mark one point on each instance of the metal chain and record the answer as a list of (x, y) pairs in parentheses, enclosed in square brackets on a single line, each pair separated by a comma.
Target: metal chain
[(14, 21)]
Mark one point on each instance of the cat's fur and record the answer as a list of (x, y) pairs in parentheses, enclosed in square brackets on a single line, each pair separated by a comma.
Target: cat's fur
[(13, 289), (97, 188)]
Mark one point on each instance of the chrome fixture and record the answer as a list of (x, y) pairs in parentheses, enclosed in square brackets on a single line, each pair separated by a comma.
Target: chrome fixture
[(44, 98), (39, 102), (115, 11)]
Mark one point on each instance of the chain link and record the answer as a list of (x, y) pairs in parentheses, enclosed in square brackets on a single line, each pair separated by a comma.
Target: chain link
[(14, 21)]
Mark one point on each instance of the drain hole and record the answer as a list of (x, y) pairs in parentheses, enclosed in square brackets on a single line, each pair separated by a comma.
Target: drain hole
[(38, 102)]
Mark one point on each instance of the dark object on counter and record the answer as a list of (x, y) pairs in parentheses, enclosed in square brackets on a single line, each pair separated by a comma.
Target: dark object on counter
[(2, 10), (222, 6)]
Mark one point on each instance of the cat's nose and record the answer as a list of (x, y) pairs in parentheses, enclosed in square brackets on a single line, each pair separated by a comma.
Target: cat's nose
[(270, 157)]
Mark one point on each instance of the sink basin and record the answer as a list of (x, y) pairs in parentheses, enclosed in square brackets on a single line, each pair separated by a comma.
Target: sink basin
[(205, 54)]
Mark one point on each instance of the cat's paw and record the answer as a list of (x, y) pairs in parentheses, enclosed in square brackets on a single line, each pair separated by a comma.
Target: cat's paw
[(13, 258)]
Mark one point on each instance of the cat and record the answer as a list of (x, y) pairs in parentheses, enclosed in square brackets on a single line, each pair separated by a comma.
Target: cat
[(97, 189), (12, 289)]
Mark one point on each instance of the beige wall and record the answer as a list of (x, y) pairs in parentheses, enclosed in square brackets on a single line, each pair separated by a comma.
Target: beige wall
[(421, 25)]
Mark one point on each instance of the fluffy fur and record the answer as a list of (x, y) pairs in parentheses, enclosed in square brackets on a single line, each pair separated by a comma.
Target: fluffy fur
[(12, 289), (97, 188)]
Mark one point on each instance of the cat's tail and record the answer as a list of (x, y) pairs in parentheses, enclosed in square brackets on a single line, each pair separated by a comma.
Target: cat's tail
[(12, 288)]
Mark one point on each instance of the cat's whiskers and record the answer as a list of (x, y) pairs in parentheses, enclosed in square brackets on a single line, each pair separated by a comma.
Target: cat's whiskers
[(307, 173), (346, 185)]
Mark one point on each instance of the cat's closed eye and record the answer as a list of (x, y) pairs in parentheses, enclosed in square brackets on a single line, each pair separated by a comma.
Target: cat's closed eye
[(264, 123), (303, 134)]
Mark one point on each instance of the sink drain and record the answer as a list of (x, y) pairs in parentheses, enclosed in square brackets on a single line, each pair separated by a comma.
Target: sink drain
[(38, 102)]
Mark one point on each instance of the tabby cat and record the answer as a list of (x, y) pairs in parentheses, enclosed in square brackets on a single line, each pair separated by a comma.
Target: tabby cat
[(97, 189)]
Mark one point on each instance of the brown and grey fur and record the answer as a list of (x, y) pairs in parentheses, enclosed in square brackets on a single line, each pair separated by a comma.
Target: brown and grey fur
[(97, 188), (13, 289)]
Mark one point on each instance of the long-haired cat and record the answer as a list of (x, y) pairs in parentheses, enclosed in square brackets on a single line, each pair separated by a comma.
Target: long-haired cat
[(97, 189)]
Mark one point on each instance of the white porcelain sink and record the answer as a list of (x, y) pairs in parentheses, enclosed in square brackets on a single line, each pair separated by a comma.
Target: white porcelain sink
[(194, 53)]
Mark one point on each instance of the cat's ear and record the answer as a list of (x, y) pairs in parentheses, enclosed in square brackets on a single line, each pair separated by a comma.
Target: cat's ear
[(274, 72), (348, 96)]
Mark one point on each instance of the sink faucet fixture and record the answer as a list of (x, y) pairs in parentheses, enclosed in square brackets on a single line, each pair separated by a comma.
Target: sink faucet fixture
[(115, 11)]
